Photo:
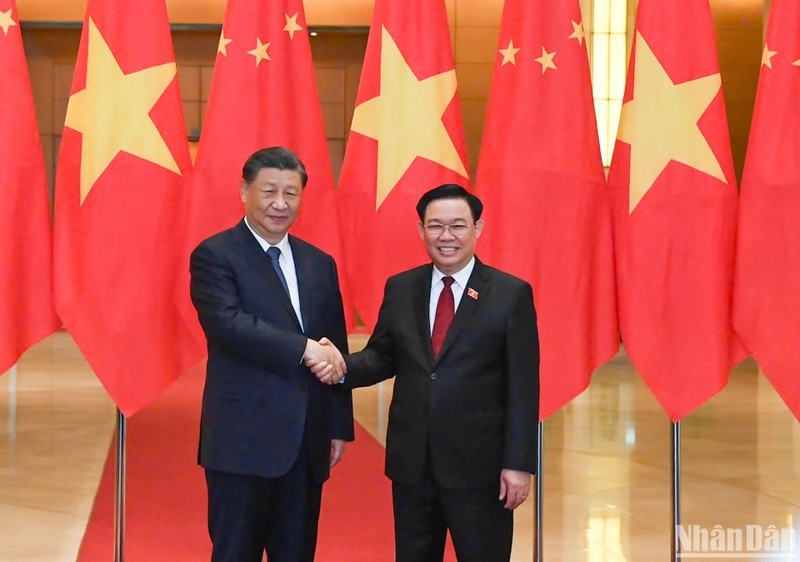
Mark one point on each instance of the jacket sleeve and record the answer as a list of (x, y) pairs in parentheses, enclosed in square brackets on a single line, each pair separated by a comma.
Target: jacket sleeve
[(375, 362), (522, 402), (232, 329)]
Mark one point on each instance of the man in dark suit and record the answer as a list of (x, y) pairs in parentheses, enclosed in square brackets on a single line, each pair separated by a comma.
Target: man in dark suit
[(460, 338), (270, 430)]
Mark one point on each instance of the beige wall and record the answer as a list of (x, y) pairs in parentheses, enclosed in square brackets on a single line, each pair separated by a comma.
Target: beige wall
[(476, 34), (739, 25)]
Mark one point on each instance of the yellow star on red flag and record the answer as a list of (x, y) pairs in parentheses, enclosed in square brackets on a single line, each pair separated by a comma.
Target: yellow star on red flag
[(292, 26), (404, 130), (766, 56), (577, 32), (660, 123), (510, 53), (222, 48), (260, 52), (6, 21), (112, 112), (546, 60)]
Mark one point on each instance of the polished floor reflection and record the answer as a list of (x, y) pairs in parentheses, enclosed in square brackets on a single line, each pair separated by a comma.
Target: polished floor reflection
[(606, 479)]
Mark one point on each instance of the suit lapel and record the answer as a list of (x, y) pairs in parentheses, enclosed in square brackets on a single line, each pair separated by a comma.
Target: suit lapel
[(422, 299), (304, 270), (261, 265), (478, 282)]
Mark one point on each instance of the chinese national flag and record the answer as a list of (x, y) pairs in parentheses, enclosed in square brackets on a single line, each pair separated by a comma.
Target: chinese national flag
[(263, 93), (406, 138), (766, 289), (542, 181), (674, 208), (123, 158), (26, 284)]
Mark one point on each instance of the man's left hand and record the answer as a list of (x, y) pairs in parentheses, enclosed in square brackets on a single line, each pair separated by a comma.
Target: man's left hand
[(337, 451), (514, 487)]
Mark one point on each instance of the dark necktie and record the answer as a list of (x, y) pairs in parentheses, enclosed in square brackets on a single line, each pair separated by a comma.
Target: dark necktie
[(445, 309), (273, 253)]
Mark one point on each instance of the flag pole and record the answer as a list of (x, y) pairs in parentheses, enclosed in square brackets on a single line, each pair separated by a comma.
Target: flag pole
[(676, 489), (537, 531), (119, 496)]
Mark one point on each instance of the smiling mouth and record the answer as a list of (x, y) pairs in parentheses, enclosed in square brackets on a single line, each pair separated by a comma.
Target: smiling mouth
[(447, 250)]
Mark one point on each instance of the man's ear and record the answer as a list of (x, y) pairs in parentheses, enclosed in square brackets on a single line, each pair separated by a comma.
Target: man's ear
[(421, 230), (243, 190), (478, 228)]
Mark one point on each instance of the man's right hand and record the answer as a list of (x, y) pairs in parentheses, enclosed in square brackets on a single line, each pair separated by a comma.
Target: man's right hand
[(325, 361)]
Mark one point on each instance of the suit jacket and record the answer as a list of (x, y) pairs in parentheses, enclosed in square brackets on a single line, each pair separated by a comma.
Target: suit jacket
[(475, 407), (258, 397)]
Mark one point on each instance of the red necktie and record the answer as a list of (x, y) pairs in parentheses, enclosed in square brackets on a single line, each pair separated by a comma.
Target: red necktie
[(445, 309)]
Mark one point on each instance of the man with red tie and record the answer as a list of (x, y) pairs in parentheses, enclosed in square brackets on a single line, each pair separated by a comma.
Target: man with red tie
[(461, 340)]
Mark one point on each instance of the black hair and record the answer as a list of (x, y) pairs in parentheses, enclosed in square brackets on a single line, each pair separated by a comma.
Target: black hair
[(273, 157), (450, 191)]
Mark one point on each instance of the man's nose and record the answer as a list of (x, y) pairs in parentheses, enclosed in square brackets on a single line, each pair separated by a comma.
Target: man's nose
[(279, 202)]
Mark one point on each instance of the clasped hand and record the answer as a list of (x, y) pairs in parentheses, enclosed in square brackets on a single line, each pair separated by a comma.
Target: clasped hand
[(325, 361)]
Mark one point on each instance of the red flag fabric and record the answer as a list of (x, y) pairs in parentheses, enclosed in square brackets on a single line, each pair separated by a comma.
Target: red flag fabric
[(674, 206), (406, 138), (27, 314), (263, 93), (123, 158), (766, 290), (542, 182)]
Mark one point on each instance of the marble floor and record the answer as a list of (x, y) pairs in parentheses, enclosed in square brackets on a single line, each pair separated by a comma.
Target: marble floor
[(606, 465)]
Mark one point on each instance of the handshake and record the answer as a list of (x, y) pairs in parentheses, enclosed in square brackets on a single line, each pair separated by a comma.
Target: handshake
[(325, 361)]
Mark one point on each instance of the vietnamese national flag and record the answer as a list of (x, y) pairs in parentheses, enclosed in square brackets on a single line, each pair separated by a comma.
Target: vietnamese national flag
[(406, 138), (121, 169), (674, 206), (542, 182), (766, 312), (263, 93), (26, 283)]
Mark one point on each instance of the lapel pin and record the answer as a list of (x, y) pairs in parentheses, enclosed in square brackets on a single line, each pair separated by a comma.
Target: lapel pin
[(472, 293)]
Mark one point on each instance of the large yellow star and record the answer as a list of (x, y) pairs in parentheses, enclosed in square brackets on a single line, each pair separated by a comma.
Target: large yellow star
[(766, 56), (406, 119), (112, 112), (577, 32), (660, 123), (546, 60), (222, 48), (260, 52), (6, 21), (292, 25), (510, 53)]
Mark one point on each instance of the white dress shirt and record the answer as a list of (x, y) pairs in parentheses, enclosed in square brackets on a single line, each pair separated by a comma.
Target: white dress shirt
[(460, 280), (286, 261)]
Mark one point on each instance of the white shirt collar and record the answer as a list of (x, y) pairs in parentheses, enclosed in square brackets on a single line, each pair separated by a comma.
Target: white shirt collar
[(283, 245), (461, 277)]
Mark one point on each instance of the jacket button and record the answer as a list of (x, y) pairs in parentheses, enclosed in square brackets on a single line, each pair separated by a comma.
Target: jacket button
[(434, 376)]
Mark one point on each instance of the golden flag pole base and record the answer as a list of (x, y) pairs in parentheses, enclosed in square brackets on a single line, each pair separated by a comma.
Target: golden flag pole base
[(119, 491)]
